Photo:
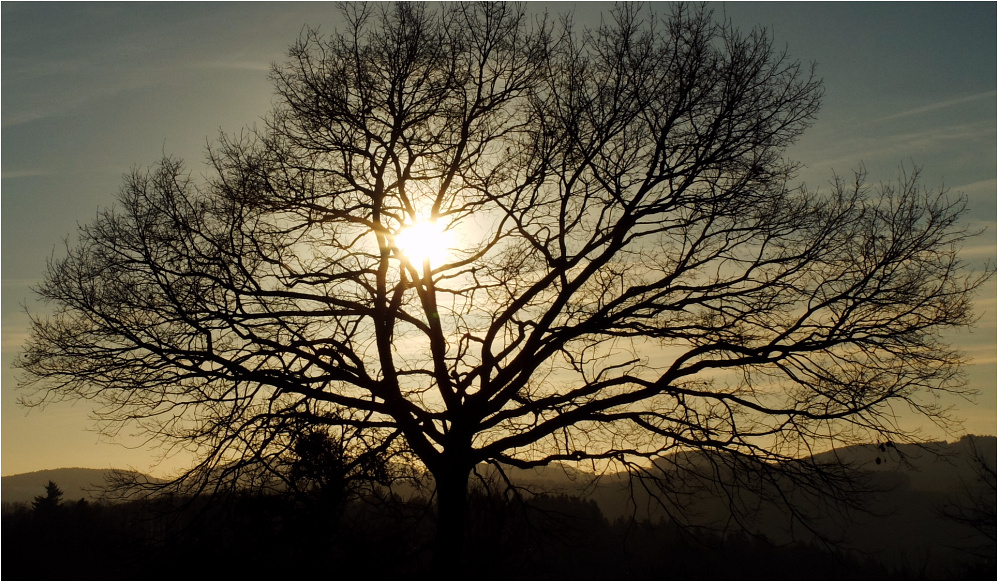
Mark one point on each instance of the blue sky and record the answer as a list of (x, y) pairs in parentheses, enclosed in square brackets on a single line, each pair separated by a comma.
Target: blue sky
[(90, 91)]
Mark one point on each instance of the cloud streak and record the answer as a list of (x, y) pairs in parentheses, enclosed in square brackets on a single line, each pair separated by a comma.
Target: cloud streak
[(940, 105), (235, 65), (840, 148)]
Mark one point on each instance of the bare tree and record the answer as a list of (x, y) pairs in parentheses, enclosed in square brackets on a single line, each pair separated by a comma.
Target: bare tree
[(630, 271), (974, 506)]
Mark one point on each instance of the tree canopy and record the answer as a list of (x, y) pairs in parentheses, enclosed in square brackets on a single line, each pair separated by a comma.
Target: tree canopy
[(607, 260)]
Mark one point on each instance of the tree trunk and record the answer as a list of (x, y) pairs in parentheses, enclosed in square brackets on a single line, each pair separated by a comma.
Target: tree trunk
[(452, 518)]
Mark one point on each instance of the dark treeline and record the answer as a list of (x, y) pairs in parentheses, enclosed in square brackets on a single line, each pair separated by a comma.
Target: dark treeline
[(275, 537)]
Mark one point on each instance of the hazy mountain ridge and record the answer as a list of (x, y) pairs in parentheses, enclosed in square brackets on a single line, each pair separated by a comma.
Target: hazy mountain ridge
[(75, 483), (938, 467), (932, 466), (904, 524)]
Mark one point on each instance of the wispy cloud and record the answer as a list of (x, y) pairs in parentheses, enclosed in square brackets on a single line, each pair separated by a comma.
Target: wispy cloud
[(983, 251), (940, 105), (12, 340), (981, 199), (244, 65), (57, 101), (14, 331), (8, 282), (838, 149), (979, 186), (27, 116), (980, 355), (15, 174)]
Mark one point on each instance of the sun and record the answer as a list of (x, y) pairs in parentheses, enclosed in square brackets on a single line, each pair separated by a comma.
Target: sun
[(425, 240)]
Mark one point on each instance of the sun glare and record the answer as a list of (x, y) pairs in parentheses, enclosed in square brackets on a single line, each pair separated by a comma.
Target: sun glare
[(425, 240)]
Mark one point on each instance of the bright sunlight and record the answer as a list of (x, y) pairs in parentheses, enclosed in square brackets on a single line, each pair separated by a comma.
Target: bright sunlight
[(425, 240)]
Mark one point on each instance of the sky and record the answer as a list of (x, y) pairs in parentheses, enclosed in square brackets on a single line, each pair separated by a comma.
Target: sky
[(89, 91)]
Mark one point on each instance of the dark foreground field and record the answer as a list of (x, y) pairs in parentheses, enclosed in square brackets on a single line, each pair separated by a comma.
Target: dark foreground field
[(933, 518), (550, 537)]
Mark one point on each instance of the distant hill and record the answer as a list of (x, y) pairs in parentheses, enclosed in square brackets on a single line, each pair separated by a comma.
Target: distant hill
[(76, 483), (937, 467), (931, 467), (906, 528)]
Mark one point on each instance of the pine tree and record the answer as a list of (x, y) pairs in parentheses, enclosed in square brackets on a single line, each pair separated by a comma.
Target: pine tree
[(46, 504)]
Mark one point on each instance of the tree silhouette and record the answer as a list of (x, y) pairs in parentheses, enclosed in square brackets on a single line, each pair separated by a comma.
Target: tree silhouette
[(630, 272), (329, 470), (47, 504)]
